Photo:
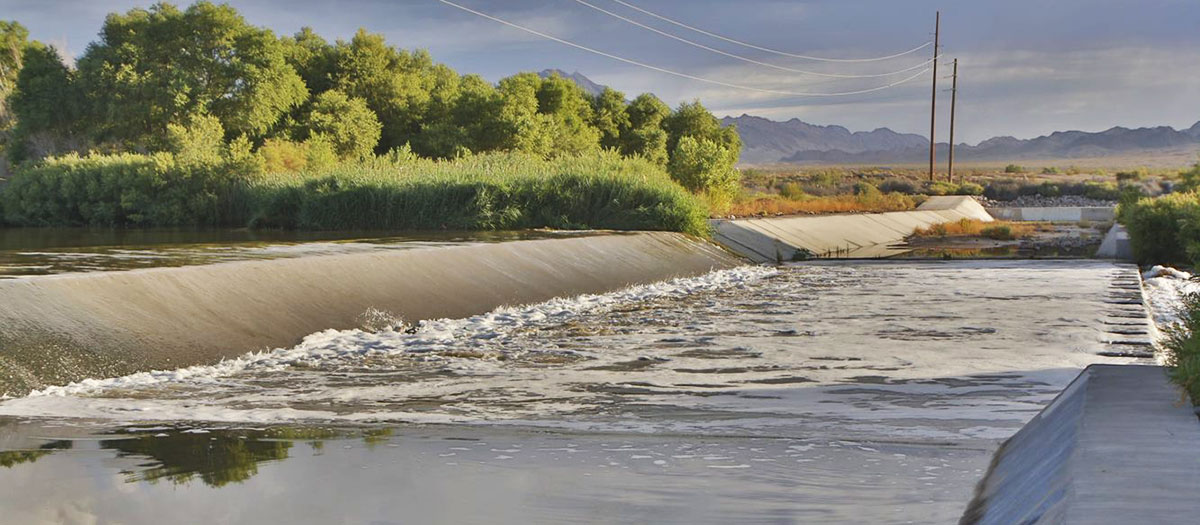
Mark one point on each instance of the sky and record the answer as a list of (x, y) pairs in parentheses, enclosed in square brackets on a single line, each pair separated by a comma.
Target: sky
[(1026, 67)]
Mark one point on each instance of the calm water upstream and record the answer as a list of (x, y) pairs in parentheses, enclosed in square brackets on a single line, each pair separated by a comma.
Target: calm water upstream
[(860, 392)]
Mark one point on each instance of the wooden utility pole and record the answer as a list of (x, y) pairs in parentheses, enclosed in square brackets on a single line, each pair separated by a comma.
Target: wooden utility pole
[(953, 103), (937, 30)]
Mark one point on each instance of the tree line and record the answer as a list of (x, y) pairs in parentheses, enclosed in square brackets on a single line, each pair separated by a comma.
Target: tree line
[(202, 81)]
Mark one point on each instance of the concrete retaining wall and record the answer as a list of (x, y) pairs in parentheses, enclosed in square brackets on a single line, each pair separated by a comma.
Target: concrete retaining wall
[(1055, 214), (61, 328), (1116, 446), (866, 235)]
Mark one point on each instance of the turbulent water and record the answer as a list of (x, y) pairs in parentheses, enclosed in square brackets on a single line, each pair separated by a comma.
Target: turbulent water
[(870, 392), (748, 349)]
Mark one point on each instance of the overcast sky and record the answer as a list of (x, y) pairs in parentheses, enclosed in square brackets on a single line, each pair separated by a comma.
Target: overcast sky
[(1027, 67)]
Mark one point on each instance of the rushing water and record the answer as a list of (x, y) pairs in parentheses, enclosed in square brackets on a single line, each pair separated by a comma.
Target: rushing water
[(851, 392)]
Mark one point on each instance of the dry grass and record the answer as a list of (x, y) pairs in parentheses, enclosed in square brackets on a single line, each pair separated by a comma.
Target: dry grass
[(777, 205), (998, 230)]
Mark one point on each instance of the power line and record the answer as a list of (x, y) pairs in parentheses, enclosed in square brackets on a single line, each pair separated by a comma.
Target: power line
[(676, 73), (747, 59), (767, 49)]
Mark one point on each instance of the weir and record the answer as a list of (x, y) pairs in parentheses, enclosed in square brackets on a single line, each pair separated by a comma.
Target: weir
[(59, 328), (859, 236)]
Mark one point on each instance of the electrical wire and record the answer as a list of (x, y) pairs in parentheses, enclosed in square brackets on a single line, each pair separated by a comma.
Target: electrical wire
[(767, 49), (676, 73), (751, 60)]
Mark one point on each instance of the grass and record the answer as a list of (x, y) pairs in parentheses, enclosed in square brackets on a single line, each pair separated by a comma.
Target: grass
[(997, 230), (1182, 347), (479, 192)]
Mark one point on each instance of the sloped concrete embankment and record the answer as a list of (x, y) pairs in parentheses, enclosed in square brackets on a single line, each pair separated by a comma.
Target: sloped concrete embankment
[(55, 329), (866, 235), (1116, 446), (1056, 213)]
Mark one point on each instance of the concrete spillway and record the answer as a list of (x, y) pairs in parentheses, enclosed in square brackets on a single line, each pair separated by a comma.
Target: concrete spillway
[(60, 328), (1116, 446), (850, 236)]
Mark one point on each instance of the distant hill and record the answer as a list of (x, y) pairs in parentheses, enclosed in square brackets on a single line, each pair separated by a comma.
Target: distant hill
[(586, 83), (770, 141), (796, 141), (1117, 141), (766, 141)]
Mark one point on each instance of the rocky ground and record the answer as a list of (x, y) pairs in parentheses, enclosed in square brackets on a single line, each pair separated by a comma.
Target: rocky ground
[(1038, 201)]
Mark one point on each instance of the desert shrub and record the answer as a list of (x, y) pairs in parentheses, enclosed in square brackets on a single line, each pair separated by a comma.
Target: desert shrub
[(898, 185), (867, 190), (1106, 191), (941, 188), (792, 191), (1002, 190), (969, 188), (1013, 168), (1048, 189), (1132, 176), (1000, 232), (1051, 170)]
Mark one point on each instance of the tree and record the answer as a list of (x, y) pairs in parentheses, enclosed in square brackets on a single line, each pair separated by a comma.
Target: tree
[(570, 114), (161, 65), (313, 58), (694, 120), (13, 40), (609, 117), (45, 105), (397, 85), (643, 133), (704, 166), (346, 122)]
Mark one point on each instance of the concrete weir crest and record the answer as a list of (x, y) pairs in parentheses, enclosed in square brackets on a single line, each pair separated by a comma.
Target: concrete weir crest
[(867, 235)]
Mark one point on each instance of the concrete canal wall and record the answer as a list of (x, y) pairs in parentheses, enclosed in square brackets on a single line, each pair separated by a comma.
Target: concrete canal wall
[(1056, 214), (66, 327), (1117, 446), (850, 236)]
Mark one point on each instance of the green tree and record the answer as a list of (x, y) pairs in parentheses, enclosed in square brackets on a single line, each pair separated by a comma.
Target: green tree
[(644, 134), (397, 85), (45, 105), (13, 40), (570, 113), (161, 65), (347, 122), (704, 166), (200, 141), (609, 117), (313, 58)]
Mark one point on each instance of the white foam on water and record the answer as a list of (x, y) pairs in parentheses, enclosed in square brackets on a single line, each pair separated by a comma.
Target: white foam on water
[(428, 336)]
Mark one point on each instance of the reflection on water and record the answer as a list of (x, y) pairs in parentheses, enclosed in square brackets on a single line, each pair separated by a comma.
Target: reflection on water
[(45, 251), (10, 458)]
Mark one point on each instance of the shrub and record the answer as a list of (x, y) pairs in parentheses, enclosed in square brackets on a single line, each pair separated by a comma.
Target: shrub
[(898, 185), (1132, 176), (792, 191), (941, 188), (1050, 170), (867, 190), (1183, 349), (1002, 190), (969, 188), (1105, 191), (1164, 229), (1002, 232), (703, 166), (1013, 168), (484, 192)]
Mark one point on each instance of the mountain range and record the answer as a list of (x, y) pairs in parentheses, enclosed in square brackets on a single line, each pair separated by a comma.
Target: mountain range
[(796, 141)]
